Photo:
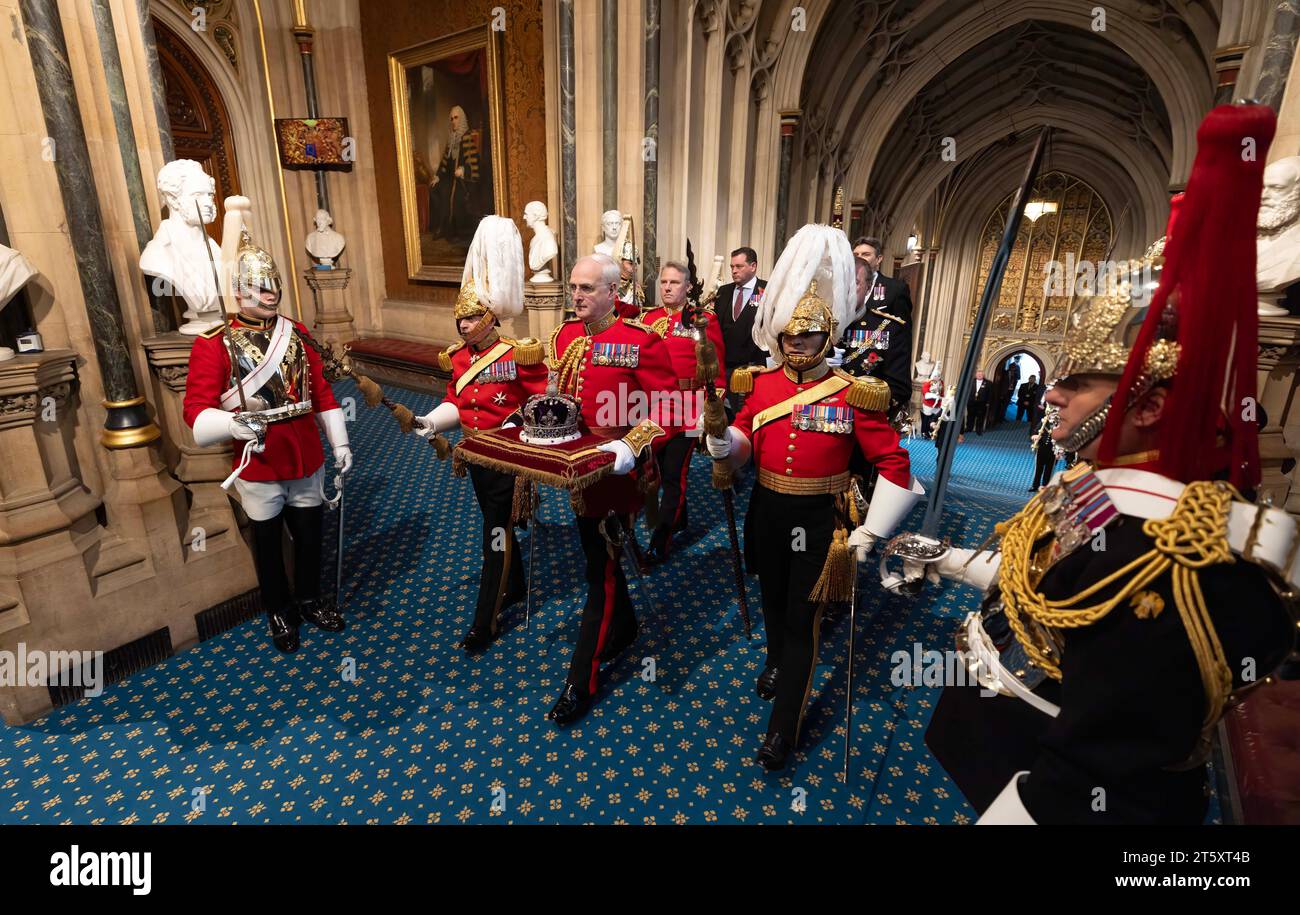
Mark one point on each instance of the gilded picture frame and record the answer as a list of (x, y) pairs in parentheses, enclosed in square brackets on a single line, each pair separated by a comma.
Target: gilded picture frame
[(448, 119)]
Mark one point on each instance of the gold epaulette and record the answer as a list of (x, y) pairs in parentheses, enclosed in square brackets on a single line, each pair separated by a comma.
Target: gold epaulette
[(866, 393), (213, 332), (742, 379), (660, 327), (444, 358), (632, 322), (528, 351)]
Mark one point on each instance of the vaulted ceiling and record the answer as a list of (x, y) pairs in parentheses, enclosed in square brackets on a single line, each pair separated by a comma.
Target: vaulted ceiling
[(886, 82)]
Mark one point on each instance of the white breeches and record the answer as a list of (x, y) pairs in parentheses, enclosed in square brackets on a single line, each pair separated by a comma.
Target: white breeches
[(262, 501)]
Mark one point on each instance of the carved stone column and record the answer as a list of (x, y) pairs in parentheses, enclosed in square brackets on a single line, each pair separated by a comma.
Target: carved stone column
[(210, 525), (1227, 67), (650, 177), (49, 534), (789, 122), (333, 320), (568, 141)]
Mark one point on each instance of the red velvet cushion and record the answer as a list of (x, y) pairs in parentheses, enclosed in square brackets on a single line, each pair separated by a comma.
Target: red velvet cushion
[(572, 465), (1264, 737)]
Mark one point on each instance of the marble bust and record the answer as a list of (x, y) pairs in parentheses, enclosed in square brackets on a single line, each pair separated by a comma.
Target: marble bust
[(1277, 239), (611, 222), (543, 248), (924, 366), (15, 271), (324, 244), (176, 255)]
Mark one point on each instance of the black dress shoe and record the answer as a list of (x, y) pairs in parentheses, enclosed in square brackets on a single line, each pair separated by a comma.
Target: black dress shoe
[(321, 615), (616, 646), (283, 633), (572, 705), (477, 639), (772, 754), (766, 686), (660, 542)]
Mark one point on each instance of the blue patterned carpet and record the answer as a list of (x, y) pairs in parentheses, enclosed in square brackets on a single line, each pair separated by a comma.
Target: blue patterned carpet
[(425, 735), (995, 467)]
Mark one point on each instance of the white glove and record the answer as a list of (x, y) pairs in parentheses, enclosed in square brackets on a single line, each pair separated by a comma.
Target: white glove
[(624, 459), (442, 418), (342, 459), (913, 570), (336, 432), (861, 541), (718, 448)]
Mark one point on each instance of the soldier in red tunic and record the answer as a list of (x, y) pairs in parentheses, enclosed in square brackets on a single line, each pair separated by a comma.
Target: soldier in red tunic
[(621, 373), (267, 406), (491, 377), (802, 423), (675, 456)]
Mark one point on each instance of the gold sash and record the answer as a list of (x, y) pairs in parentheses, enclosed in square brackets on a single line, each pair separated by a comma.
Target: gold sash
[(479, 365), (832, 385)]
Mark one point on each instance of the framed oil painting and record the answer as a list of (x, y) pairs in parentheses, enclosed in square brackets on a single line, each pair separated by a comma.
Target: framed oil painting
[(447, 115)]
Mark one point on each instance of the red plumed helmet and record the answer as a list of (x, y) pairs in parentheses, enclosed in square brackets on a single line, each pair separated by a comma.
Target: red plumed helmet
[(1202, 325)]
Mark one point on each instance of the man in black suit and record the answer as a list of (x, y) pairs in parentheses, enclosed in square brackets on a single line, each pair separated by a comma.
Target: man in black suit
[(878, 341), (1027, 399), (736, 306), (977, 413)]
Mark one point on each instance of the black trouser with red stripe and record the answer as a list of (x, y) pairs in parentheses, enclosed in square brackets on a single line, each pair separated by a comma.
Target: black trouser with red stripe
[(674, 466), (503, 574), (607, 617), (787, 538)]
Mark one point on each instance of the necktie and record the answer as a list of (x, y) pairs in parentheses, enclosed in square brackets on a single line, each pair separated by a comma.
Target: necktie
[(739, 305)]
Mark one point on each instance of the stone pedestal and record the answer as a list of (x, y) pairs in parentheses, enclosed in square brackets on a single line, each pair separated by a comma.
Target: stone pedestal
[(210, 520), (333, 320), (46, 512), (75, 577), (544, 307)]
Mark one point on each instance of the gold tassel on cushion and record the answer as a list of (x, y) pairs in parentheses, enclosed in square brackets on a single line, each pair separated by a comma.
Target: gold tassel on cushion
[(529, 351), (742, 380), (836, 582), (521, 506), (870, 394)]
